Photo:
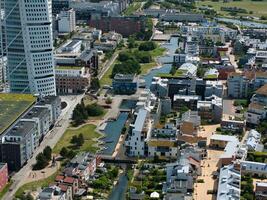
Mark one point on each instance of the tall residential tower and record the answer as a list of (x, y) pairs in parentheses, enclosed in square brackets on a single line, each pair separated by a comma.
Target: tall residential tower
[(29, 46)]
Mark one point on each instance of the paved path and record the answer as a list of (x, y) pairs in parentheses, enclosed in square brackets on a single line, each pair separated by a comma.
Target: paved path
[(50, 139)]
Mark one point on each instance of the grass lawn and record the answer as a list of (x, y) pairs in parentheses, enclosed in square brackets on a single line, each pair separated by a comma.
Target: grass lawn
[(5, 189), (106, 80), (132, 8), (33, 186), (146, 67), (12, 106), (259, 8), (159, 51), (89, 133)]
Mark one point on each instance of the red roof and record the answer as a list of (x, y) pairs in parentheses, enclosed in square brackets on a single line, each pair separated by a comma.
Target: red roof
[(59, 178), (63, 187), (69, 180)]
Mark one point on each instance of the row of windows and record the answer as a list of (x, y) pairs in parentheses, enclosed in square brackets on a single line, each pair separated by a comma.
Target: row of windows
[(40, 46), (46, 55)]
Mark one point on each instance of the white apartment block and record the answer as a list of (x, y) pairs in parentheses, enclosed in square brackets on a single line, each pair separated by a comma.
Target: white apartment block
[(140, 131), (66, 21), (30, 63)]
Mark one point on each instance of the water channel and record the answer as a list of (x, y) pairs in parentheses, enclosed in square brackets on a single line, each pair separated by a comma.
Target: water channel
[(119, 191)]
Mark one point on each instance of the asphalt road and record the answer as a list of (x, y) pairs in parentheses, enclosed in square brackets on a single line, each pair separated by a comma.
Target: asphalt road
[(50, 139)]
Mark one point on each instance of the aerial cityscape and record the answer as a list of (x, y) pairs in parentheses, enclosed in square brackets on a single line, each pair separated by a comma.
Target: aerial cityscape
[(133, 99)]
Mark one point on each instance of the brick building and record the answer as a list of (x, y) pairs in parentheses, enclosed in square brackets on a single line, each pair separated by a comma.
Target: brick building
[(123, 25), (3, 175)]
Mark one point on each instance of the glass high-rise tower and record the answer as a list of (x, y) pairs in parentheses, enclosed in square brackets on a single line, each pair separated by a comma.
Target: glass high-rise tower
[(29, 46)]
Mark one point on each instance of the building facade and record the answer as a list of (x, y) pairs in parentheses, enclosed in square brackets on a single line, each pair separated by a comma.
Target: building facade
[(66, 21), (3, 175)]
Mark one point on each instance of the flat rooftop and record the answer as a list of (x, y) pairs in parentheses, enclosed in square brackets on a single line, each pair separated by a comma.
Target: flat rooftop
[(12, 106)]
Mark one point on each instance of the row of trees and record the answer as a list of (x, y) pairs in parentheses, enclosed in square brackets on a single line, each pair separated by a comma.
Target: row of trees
[(82, 112), (43, 158)]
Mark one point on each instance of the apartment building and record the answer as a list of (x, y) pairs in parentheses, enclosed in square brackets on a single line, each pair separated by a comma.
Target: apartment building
[(238, 85), (163, 142), (72, 80), (66, 21), (229, 184), (17, 144), (139, 132)]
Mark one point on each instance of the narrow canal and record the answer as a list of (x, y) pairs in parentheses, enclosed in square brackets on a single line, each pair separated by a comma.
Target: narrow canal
[(113, 132)]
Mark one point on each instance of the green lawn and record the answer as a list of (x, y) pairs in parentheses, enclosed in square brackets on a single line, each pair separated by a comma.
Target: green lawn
[(12, 106), (132, 8), (89, 133), (5, 189), (259, 8), (106, 80), (147, 66), (33, 186)]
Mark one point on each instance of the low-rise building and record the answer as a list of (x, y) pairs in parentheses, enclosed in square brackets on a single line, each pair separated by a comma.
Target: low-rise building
[(190, 123), (260, 95), (214, 88), (3, 175), (256, 113), (82, 166), (72, 80), (261, 190), (67, 181), (188, 70), (211, 109), (181, 101), (230, 145), (233, 125), (163, 142), (253, 168), (229, 184), (253, 141), (159, 87), (124, 84), (55, 193)]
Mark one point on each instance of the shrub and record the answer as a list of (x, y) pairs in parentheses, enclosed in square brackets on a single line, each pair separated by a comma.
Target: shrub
[(147, 46)]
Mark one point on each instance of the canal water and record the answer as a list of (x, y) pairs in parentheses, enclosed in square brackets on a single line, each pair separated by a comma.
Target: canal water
[(119, 191), (168, 58), (113, 129), (113, 132), (250, 24)]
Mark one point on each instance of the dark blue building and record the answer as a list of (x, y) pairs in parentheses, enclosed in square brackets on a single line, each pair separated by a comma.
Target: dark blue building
[(124, 84)]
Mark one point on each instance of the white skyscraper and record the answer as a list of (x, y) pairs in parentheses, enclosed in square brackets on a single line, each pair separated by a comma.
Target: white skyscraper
[(30, 62)]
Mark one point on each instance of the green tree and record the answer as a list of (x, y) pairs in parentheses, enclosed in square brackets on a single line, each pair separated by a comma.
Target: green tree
[(71, 154), (147, 46), (95, 84), (64, 152), (74, 140), (80, 140), (47, 153), (41, 162)]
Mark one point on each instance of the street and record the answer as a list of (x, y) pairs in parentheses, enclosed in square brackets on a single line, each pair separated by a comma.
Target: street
[(50, 139)]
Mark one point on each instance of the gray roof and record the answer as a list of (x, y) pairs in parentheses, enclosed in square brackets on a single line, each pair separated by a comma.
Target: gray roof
[(229, 183), (140, 120), (36, 112), (22, 128)]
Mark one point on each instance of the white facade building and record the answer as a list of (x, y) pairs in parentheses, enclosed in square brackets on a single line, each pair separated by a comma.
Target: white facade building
[(30, 63), (66, 21), (141, 130)]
